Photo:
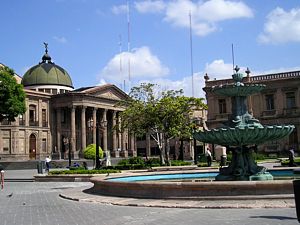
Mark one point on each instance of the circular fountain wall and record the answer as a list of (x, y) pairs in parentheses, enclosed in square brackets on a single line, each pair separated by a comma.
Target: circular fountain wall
[(189, 190)]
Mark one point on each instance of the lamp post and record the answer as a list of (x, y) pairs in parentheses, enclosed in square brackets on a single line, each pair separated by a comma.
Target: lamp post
[(99, 126), (67, 147), (97, 147), (197, 122)]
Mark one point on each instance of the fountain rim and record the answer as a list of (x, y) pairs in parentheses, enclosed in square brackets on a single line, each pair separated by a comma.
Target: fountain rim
[(190, 190)]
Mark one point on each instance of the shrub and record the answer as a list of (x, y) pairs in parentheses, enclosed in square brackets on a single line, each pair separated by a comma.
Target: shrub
[(180, 163), (152, 162), (102, 171), (133, 160), (90, 152)]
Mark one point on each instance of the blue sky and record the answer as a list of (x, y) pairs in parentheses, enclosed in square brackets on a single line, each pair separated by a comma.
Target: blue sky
[(89, 38)]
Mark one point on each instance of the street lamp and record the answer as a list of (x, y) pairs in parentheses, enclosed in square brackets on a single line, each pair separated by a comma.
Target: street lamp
[(197, 122), (99, 126), (66, 143)]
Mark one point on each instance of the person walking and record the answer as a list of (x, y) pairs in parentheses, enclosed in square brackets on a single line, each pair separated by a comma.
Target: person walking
[(2, 176), (47, 161), (208, 157), (291, 157)]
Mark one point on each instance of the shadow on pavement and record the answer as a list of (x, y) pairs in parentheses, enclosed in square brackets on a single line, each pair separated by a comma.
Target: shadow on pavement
[(274, 217)]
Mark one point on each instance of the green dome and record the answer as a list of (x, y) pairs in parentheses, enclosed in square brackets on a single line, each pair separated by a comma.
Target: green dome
[(47, 74)]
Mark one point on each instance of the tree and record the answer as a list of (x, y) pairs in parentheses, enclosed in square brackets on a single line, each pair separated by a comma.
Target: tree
[(12, 95), (163, 114)]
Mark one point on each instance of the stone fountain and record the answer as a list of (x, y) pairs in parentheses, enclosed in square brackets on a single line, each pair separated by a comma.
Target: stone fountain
[(242, 133)]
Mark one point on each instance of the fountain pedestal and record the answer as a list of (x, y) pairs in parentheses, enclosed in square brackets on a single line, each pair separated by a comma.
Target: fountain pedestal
[(243, 166)]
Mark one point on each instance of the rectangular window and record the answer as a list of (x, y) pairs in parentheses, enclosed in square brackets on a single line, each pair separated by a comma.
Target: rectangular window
[(44, 145), (270, 102), (222, 106), (290, 100), (63, 115), (32, 113), (44, 117), (21, 120)]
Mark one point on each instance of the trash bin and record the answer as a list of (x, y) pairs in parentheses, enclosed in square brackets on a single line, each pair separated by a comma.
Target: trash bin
[(296, 184), (223, 160), (40, 167)]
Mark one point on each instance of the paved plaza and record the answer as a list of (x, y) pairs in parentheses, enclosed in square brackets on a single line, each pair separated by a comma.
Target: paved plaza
[(31, 203)]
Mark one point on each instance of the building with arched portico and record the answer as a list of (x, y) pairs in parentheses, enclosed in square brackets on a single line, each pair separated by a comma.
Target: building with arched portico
[(60, 118)]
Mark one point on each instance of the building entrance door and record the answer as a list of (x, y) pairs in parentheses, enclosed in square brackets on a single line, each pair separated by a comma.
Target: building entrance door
[(32, 147)]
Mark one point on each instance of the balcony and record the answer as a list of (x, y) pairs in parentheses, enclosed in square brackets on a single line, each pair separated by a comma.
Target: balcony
[(34, 123), (5, 122), (222, 117), (295, 111), (21, 122), (269, 113)]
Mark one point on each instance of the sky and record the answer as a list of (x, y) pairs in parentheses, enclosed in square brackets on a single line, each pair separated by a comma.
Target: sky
[(170, 43)]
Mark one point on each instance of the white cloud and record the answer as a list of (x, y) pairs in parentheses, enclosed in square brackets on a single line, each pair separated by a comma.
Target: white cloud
[(119, 9), (142, 64), (205, 14), (150, 6), (185, 84), (281, 27), (62, 40), (218, 69)]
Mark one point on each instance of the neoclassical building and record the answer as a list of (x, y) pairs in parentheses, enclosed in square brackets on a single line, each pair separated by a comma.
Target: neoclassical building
[(278, 103), (60, 118)]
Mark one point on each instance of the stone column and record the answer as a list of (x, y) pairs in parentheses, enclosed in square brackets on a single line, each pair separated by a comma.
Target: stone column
[(104, 120), (73, 132), (114, 122), (124, 151), (83, 129), (132, 144), (94, 124), (27, 113), (39, 112), (58, 131), (115, 152)]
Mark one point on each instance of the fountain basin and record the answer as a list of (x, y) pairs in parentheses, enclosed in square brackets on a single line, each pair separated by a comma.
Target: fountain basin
[(247, 135), (190, 190)]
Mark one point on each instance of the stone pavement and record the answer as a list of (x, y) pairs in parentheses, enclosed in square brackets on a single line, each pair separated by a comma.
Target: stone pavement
[(35, 203)]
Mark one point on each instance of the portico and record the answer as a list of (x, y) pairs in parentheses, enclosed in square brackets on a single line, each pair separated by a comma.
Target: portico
[(78, 113)]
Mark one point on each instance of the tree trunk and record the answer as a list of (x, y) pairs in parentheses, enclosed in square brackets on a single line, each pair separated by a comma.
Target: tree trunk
[(181, 150), (167, 150)]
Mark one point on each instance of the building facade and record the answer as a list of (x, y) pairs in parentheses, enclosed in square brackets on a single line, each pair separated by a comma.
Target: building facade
[(278, 103), (61, 121)]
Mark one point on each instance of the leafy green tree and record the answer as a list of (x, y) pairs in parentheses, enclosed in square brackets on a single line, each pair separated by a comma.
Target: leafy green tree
[(165, 115), (12, 95)]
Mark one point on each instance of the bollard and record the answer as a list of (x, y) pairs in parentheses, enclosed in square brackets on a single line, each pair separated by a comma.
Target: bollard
[(296, 184)]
